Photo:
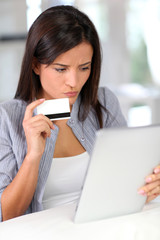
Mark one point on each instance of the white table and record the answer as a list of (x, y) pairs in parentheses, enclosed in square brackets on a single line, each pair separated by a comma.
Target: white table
[(57, 224)]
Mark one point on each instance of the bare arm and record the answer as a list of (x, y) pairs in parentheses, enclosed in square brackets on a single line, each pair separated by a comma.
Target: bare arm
[(19, 193)]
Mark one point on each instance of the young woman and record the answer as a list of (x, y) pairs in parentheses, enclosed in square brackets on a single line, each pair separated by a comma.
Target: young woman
[(43, 163)]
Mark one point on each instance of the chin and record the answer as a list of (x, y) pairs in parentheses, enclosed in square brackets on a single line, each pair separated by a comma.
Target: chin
[(72, 101)]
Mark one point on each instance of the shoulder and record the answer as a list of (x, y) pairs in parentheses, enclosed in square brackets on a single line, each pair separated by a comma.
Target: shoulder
[(106, 97), (12, 109), (13, 104), (109, 100)]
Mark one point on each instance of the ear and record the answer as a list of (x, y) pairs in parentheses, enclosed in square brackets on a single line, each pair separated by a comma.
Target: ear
[(35, 66)]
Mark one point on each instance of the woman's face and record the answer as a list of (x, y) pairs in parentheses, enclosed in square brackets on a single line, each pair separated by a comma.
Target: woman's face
[(65, 77)]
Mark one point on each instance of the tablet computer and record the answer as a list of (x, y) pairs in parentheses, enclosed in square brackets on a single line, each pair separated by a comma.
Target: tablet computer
[(120, 161)]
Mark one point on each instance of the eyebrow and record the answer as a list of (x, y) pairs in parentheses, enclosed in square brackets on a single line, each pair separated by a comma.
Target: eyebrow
[(85, 63), (63, 65)]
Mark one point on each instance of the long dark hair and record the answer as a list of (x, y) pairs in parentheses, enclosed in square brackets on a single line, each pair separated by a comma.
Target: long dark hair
[(57, 30)]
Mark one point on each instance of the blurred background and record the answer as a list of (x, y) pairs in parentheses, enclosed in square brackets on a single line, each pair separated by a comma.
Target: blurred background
[(129, 32)]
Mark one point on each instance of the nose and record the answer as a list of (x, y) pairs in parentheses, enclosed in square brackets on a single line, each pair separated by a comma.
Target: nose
[(72, 79)]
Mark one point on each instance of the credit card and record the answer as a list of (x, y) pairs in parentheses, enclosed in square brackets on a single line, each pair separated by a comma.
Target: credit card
[(55, 109)]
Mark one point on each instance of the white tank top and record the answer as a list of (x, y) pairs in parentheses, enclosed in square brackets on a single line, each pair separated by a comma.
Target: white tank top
[(65, 180)]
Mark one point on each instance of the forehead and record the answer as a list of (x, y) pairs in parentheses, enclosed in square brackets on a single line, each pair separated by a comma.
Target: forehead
[(80, 53)]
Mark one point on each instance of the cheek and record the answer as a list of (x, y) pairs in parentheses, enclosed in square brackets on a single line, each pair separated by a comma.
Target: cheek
[(85, 79), (48, 80), (50, 86), (84, 82)]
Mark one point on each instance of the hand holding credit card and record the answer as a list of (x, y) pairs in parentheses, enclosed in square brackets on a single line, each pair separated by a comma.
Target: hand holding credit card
[(55, 109)]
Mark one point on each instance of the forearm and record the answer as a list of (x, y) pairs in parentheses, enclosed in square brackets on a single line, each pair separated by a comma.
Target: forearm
[(19, 193)]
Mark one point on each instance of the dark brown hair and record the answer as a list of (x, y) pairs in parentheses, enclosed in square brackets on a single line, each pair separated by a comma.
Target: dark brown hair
[(55, 31)]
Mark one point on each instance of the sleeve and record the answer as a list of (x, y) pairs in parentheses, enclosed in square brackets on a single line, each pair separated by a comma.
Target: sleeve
[(8, 165), (113, 116)]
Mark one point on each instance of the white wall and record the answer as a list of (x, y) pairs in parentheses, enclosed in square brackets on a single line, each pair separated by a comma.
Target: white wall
[(12, 22)]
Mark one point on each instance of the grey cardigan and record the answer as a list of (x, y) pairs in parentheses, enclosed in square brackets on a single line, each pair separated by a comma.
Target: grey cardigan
[(13, 146)]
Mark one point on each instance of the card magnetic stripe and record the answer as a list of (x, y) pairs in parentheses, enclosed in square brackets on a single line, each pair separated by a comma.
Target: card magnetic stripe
[(58, 115)]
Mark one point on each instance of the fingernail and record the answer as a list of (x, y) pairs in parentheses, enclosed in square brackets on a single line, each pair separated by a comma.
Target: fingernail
[(142, 192), (42, 99), (149, 179), (157, 170)]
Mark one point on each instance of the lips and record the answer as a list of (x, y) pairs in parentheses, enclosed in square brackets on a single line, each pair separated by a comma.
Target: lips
[(71, 94)]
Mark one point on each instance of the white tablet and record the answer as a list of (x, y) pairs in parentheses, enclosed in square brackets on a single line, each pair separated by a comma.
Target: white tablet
[(120, 161)]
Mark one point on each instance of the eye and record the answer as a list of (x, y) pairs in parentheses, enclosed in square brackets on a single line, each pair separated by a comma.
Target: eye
[(60, 70), (85, 68)]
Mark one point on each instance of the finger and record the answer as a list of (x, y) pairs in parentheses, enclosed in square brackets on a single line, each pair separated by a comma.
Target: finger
[(31, 107), (157, 169), (152, 178), (46, 133), (148, 187), (41, 130), (50, 123), (155, 191), (41, 117), (151, 198), (40, 127)]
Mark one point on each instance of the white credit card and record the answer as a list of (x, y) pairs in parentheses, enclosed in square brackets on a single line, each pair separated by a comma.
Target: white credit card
[(55, 109)]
